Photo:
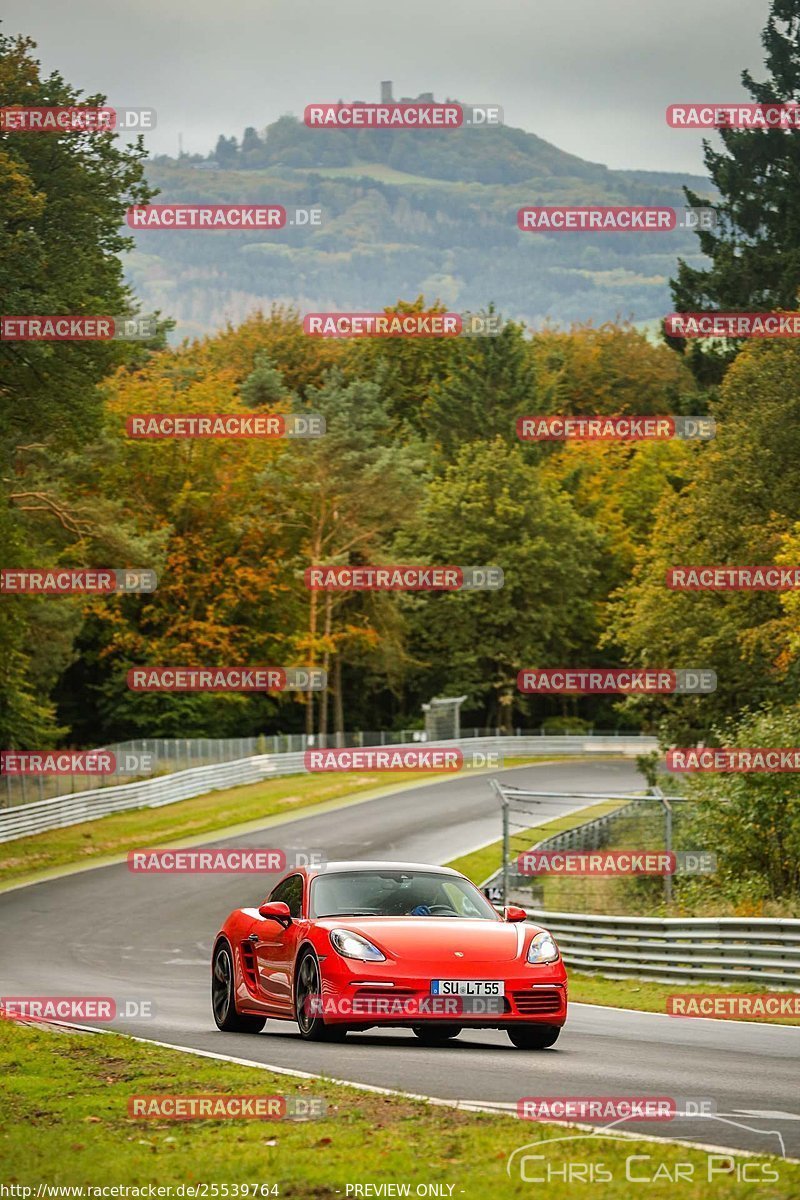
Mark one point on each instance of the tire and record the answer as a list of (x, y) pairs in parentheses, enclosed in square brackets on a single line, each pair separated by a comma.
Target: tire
[(307, 985), (223, 999), (436, 1035), (533, 1037)]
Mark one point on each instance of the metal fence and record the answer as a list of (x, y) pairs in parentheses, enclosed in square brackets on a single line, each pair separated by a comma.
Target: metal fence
[(521, 813), (145, 757), (748, 950), (61, 811)]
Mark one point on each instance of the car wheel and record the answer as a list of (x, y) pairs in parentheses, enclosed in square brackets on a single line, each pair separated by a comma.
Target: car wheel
[(533, 1037), (436, 1035), (223, 999), (308, 987)]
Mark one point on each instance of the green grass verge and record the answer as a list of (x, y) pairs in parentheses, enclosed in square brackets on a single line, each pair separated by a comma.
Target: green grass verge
[(646, 996), (289, 797), (206, 814), (65, 1122), (479, 864)]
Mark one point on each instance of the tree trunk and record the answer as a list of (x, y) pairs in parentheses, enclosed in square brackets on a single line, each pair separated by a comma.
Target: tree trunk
[(326, 662), (312, 631), (338, 701)]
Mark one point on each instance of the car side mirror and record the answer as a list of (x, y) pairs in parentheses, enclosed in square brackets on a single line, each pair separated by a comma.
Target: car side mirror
[(512, 913), (276, 911)]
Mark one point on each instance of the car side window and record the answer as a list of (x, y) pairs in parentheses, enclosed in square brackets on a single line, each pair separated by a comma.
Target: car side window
[(290, 891)]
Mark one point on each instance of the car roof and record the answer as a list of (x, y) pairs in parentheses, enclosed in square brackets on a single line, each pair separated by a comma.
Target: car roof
[(331, 868)]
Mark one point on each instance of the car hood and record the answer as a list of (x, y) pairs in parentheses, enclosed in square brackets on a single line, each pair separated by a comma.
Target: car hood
[(437, 939)]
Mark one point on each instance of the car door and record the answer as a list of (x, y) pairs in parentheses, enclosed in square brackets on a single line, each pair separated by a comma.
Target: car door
[(277, 945)]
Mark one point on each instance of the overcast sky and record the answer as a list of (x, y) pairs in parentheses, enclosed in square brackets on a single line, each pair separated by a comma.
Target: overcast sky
[(591, 76)]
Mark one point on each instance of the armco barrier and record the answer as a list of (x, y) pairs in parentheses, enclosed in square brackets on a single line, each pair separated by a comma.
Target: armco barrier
[(731, 950), (61, 811)]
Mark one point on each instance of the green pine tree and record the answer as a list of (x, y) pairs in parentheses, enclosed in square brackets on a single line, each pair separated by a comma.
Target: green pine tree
[(755, 248)]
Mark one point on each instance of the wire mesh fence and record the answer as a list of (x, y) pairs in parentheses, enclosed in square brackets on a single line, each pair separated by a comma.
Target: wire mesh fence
[(650, 837)]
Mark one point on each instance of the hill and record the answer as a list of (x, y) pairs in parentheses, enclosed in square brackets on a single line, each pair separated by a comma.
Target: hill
[(404, 214)]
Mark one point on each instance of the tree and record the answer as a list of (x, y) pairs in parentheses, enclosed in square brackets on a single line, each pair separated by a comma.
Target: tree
[(343, 498), (750, 820), (611, 368), (408, 369), (491, 382), (755, 249), (737, 508), (221, 599), (226, 151), (62, 202), (491, 507)]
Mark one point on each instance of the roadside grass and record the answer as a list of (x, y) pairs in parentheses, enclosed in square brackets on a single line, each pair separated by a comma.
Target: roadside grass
[(142, 827), (66, 1123), (288, 797), (644, 995), (479, 864)]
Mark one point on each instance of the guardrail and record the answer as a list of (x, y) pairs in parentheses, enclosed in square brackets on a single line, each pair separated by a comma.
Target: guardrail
[(747, 950), (142, 758), (61, 811)]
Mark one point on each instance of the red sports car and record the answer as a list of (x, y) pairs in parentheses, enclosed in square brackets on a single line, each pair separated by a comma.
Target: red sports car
[(352, 945)]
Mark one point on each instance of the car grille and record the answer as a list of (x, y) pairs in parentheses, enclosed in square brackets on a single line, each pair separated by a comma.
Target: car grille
[(539, 1000)]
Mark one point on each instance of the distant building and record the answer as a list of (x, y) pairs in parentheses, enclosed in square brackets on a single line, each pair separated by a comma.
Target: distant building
[(386, 91)]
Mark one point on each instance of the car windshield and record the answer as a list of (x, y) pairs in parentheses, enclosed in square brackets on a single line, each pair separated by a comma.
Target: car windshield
[(387, 893)]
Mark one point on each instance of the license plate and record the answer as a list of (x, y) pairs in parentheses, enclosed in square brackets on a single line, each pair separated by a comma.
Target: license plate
[(467, 987)]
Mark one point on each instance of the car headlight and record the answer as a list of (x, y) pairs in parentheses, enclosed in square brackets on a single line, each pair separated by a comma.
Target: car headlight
[(353, 945), (542, 948)]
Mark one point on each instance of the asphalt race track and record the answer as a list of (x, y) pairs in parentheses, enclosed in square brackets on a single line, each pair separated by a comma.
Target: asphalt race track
[(108, 932)]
